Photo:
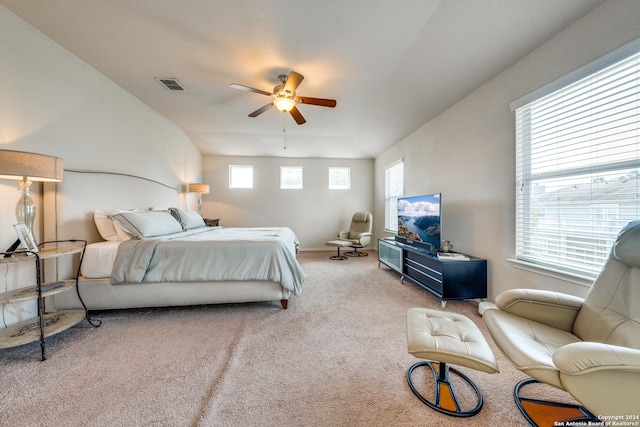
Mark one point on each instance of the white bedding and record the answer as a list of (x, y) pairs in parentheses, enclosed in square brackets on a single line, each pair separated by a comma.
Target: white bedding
[(98, 259), (212, 254)]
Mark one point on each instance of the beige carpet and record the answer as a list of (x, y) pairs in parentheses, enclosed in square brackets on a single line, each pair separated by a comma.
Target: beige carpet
[(336, 357)]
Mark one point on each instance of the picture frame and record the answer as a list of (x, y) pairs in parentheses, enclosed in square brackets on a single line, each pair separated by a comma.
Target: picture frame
[(26, 238)]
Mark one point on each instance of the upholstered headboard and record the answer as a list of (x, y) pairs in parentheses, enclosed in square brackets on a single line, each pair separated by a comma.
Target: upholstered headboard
[(69, 205), (82, 193)]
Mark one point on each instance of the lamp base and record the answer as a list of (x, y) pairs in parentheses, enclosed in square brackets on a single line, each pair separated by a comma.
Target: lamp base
[(26, 207)]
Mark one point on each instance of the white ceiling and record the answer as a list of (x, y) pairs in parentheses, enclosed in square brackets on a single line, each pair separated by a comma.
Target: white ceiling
[(392, 65)]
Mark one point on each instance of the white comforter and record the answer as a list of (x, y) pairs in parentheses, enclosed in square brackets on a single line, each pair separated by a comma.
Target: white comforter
[(212, 254)]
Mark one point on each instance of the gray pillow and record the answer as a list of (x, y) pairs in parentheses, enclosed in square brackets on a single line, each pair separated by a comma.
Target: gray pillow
[(188, 220), (147, 224)]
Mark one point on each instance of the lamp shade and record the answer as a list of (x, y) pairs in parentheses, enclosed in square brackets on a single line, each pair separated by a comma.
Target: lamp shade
[(199, 188), (20, 165)]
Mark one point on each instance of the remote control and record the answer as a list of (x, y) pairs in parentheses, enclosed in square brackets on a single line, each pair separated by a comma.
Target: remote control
[(52, 285)]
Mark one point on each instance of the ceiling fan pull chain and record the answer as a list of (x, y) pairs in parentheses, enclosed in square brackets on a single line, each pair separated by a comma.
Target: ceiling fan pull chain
[(284, 132)]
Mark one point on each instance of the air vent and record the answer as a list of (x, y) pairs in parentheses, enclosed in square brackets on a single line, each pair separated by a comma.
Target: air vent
[(170, 83)]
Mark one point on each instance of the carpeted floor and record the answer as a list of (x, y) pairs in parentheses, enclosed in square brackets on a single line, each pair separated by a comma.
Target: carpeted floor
[(336, 357)]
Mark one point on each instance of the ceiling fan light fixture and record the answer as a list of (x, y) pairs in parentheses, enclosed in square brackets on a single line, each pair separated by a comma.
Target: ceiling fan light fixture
[(284, 104), (285, 99)]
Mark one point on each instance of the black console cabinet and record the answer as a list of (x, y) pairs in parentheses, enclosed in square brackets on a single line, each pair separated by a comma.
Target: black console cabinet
[(449, 279)]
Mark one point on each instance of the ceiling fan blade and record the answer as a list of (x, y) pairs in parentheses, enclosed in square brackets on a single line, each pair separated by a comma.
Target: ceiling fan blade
[(293, 81), (261, 110), (249, 89), (316, 101), (295, 113)]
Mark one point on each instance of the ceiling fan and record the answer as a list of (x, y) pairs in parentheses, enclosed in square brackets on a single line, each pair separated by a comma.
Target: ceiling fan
[(285, 98)]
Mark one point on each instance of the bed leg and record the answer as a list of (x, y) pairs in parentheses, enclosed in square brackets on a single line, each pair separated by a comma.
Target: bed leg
[(284, 303)]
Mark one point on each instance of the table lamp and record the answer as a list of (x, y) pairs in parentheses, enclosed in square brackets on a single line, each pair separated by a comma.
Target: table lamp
[(200, 189), (25, 168)]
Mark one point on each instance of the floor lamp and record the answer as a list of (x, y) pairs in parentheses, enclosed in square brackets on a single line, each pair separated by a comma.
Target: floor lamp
[(26, 168), (200, 189)]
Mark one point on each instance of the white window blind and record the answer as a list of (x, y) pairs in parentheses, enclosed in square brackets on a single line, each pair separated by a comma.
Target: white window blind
[(578, 169), (393, 188)]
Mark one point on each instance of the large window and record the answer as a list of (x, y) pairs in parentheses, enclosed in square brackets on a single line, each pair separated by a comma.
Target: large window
[(578, 169), (393, 189), (240, 176)]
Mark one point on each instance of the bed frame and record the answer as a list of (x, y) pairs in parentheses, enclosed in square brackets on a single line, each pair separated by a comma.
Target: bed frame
[(68, 213)]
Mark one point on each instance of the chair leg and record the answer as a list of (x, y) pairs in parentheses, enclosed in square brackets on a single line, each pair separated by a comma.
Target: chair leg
[(543, 412)]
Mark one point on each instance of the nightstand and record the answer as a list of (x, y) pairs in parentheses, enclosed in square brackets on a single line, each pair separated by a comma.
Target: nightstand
[(211, 222), (44, 324)]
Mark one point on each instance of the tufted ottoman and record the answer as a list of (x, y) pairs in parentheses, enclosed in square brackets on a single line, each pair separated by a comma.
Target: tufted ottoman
[(444, 338)]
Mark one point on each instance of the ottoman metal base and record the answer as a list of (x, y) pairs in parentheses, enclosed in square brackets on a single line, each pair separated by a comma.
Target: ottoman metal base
[(338, 244), (338, 257), (445, 400)]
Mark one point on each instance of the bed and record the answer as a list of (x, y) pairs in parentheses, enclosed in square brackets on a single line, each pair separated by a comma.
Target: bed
[(161, 263)]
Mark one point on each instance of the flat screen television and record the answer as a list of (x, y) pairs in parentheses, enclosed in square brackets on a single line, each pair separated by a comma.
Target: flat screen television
[(419, 219)]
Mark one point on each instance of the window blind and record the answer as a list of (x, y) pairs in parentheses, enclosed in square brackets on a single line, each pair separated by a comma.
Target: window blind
[(393, 188), (578, 169)]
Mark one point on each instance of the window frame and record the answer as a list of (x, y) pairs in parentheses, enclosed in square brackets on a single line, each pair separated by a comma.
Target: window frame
[(296, 186), (393, 190), (337, 186), (238, 185)]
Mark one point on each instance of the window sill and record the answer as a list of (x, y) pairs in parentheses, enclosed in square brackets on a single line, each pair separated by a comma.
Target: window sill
[(585, 281)]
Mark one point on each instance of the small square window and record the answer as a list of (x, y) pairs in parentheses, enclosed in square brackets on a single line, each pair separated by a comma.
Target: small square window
[(339, 178), (290, 177), (240, 176)]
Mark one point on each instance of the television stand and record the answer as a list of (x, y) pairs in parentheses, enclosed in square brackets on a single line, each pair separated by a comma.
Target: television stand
[(453, 279)]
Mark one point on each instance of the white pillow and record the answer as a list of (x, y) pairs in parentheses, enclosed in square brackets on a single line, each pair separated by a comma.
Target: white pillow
[(122, 235), (105, 226), (147, 224), (188, 220)]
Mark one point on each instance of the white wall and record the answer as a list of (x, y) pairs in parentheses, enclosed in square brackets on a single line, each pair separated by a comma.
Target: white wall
[(468, 152), (314, 213), (53, 103)]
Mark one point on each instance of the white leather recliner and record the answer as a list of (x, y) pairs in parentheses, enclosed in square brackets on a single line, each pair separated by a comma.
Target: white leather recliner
[(359, 233), (590, 347)]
